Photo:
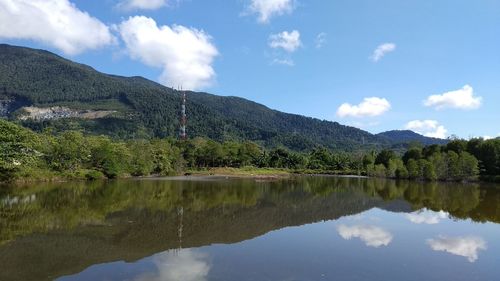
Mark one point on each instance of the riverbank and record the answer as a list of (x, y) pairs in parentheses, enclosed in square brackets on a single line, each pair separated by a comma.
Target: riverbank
[(266, 172), (34, 176), (227, 172)]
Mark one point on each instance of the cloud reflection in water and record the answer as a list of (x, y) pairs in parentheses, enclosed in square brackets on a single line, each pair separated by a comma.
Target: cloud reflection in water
[(372, 236), (427, 217), (461, 246), (186, 265)]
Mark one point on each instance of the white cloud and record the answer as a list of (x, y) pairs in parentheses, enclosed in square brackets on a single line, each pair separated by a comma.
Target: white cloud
[(320, 40), (461, 246), (187, 265), (56, 23), (288, 41), (372, 236), (141, 4), (185, 54), (428, 128), (370, 107), (426, 217), (382, 50), (490, 137), (287, 62), (461, 99), (266, 9)]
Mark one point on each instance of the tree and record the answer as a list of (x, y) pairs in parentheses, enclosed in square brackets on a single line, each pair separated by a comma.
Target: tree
[(438, 159), (69, 152), (413, 169), (429, 171), (454, 172), (469, 166), (110, 158), (397, 169), (141, 158), (413, 153), (18, 150), (384, 157), (321, 159), (457, 146), (248, 153)]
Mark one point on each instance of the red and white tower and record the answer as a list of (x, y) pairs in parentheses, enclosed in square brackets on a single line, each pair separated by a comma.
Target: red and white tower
[(183, 133)]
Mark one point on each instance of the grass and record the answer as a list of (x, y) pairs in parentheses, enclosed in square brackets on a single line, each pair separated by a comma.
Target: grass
[(264, 172), (241, 172)]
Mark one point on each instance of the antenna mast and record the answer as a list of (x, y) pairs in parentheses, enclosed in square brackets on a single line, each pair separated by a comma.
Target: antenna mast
[(183, 133)]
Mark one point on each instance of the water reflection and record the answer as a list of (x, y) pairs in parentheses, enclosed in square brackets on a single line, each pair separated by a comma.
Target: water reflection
[(186, 265), (53, 230), (372, 236), (425, 216), (461, 246)]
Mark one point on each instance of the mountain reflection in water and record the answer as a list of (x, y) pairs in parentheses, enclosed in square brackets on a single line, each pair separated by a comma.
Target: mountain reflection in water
[(165, 229)]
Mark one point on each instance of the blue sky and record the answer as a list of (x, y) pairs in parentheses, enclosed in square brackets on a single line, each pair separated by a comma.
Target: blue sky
[(437, 70)]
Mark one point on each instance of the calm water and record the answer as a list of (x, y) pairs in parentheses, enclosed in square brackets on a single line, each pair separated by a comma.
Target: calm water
[(306, 228)]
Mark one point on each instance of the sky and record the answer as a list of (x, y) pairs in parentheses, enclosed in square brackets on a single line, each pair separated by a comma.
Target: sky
[(432, 66)]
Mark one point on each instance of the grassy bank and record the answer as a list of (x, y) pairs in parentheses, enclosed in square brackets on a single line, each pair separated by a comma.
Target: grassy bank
[(241, 172), (265, 172)]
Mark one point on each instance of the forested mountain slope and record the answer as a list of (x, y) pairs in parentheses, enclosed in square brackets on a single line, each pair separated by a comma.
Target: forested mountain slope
[(403, 136), (66, 95)]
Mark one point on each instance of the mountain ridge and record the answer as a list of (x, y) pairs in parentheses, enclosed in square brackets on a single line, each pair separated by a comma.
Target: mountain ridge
[(144, 108), (411, 136)]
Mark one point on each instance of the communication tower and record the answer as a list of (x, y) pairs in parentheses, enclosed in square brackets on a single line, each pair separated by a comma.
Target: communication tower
[(183, 133)]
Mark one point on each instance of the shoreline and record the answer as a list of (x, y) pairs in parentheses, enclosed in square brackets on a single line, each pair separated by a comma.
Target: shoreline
[(223, 173)]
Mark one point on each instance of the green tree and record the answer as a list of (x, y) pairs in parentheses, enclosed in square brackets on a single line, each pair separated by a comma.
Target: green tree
[(469, 166), (69, 152), (18, 150), (111, 158), (413, 169), (384, 157), (429, 171)]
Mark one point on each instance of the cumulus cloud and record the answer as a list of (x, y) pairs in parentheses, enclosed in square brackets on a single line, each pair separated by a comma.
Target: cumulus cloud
[(185, 54), (187, 265), (320, 40), (372, 236), (370, 107), (266, 9), (141, 4), (490, 137), (461, 246), (56, 23), (288, 41), (428, 128), (461, 99), (427, 217), (382, 50)]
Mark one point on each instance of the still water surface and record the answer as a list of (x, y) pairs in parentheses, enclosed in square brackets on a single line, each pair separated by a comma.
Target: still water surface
[(299, 229)]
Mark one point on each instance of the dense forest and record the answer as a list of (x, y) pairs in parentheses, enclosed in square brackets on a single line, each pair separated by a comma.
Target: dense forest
[(71, 154), (144, 109)]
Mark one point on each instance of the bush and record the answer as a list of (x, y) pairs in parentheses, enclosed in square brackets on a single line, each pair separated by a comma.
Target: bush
[(94, 175)]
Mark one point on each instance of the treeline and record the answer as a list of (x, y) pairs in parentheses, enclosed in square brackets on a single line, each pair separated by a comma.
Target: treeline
[(72, 154), (458, 160)]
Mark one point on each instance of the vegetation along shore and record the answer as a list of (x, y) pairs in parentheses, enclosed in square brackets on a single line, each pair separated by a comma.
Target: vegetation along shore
[(30, 156)]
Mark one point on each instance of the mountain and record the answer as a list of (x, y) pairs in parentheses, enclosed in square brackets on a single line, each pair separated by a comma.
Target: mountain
[(406, 136), (40, 89)]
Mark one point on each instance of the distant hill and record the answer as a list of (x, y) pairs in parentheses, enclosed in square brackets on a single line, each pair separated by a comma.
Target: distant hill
[(406, 136), (41, 89)]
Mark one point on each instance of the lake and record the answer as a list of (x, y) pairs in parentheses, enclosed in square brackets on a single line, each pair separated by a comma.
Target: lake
[(298, 229)]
